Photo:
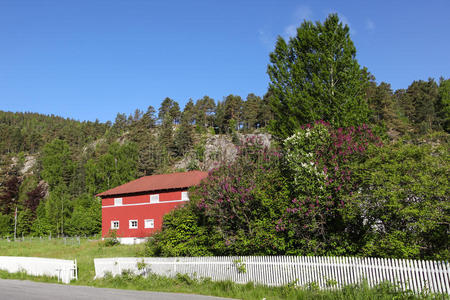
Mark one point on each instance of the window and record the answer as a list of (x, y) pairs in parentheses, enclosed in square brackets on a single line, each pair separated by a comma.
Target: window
[(133, 224), (154, 198), (149, 223), (114, 224), (184, 196), (117, 201)]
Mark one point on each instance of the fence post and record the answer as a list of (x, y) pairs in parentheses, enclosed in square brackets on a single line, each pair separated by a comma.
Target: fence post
[(76, 270)]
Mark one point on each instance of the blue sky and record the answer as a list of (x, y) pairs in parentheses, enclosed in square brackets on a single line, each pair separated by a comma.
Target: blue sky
[(92, 59)]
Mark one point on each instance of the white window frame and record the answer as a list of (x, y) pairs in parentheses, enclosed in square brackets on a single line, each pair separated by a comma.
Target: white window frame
[(154, 198), (112, 224), (149, 223), (118, 201), (184, 196), (130, 224)]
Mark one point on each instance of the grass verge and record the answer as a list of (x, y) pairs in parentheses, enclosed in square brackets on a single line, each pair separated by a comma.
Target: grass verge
[(87, 250), (185, 284)]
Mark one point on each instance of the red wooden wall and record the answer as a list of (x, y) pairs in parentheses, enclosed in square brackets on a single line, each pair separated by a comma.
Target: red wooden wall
[(138, 208)]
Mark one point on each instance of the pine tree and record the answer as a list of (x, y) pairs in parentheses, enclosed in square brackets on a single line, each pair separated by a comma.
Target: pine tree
[(250, 111), (423, 96), (443, 105), (219, 120), (204, 112), (169, 108), (189, 112), (165, 136), (232, 112), (265, 115), (184, 135)]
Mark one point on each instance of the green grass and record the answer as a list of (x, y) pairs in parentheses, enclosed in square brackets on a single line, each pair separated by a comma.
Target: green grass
[(84, 253), (24, 276), (184, 284), (87, 250)]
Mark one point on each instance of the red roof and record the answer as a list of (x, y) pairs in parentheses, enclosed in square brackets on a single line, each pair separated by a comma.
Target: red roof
[(158, 182)]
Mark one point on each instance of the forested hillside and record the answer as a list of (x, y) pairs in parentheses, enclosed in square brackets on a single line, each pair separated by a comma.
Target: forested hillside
[(52, 167)]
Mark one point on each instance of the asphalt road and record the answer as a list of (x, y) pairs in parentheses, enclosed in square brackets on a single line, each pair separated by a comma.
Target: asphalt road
[(29, 290)]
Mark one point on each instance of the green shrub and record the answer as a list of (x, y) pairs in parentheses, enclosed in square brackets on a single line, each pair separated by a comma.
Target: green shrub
[(402, 207), (111, 239)]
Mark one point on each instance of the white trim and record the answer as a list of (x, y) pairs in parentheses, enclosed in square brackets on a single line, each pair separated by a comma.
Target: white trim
[(112, 224), (118, 201), (185, 196), (130, 222), (154, 198), (145, 203), (149, 223)]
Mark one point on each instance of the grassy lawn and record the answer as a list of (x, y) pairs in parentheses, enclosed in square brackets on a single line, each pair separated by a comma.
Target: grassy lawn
[(85, 251)]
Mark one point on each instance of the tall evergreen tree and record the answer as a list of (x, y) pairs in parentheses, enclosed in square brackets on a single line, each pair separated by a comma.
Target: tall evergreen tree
[(165, 138), (204, 111), (169, 109), (443, 105), (175, 112), (219, 120), (232, 112), (316, 76), (423, 96), (189, 112), (120, 123), (265, 115), (250, 111), (148, 118), (184, 135)]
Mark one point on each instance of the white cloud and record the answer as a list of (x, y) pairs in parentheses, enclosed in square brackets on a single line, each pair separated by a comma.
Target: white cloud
[(370, 25), (301, 13)]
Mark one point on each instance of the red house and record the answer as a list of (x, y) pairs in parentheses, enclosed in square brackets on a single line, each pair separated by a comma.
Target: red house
[(136, 209)]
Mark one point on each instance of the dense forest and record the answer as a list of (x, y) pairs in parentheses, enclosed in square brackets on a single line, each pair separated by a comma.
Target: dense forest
[(354, 167)]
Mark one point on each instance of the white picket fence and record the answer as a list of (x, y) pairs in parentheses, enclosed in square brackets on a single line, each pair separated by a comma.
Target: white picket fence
[(325, 272), (64, 270)]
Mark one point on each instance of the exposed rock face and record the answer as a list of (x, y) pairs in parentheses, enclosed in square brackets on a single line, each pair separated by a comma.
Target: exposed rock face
[(45, 188), (218, 149), (30, 161), (28, 164), (91, 146)]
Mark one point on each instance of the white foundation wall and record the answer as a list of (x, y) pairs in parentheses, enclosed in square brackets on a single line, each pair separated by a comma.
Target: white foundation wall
[(130, 240)]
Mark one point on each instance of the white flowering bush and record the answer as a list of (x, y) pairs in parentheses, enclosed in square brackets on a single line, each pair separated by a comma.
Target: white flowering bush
[(301, 157)]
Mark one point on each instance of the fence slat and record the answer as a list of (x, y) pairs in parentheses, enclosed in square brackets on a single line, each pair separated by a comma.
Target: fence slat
[(446, 275), (437, 274)]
